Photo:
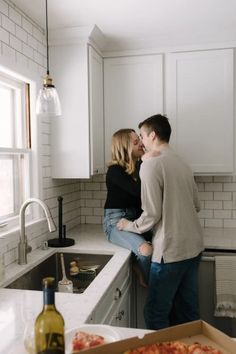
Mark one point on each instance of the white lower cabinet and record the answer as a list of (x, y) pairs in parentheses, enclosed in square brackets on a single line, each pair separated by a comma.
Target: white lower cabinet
[(114, 308), (120, 315)]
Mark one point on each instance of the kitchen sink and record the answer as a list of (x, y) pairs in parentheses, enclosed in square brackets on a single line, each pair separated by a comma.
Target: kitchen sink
[(89, 266)]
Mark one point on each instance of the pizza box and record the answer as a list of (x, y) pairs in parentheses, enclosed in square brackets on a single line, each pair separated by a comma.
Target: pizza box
[(196, 331)]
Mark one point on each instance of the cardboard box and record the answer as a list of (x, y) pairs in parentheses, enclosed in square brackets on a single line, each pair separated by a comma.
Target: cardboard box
[(197, 331)]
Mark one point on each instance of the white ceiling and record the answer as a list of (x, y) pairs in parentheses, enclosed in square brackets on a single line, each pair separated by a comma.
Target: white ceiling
[(137, 24)]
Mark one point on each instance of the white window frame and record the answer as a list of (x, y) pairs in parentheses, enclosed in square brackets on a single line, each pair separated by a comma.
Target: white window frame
[(19, 83)]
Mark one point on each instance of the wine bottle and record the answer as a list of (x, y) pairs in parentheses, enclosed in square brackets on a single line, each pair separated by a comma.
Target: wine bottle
[(49, 325)]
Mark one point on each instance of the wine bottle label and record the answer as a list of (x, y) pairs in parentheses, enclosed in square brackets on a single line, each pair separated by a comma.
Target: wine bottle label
[(54, 344)]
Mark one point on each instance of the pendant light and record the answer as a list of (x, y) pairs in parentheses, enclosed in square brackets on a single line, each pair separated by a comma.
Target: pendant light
[(48, 102)]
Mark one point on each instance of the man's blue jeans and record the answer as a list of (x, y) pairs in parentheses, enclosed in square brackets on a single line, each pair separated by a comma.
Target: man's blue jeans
[(172, 294)]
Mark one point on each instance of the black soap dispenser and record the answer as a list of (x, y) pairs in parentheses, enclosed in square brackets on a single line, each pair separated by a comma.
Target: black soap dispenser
[(61, 241)]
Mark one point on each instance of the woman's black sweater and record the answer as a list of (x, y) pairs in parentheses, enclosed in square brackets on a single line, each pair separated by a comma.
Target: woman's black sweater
[(123, 191)]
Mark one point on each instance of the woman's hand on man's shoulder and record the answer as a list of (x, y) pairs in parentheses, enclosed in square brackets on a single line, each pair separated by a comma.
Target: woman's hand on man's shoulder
[(150, 154)]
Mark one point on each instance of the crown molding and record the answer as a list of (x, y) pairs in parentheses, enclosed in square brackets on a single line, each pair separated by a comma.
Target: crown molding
[(82, 35)]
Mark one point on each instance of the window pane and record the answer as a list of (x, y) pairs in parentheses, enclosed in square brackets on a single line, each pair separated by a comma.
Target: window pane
[(6, 137), (14, 183), (15, 160), (6, 187)]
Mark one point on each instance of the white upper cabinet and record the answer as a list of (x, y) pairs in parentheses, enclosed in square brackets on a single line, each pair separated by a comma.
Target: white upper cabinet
[(77, 136), (96, 112), (199, 104), (133, 91)]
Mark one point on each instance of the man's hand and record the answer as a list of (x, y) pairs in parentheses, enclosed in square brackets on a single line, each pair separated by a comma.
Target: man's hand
[(122, 224)]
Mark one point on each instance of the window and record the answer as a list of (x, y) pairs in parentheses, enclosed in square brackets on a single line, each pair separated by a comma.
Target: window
[(15, 146)]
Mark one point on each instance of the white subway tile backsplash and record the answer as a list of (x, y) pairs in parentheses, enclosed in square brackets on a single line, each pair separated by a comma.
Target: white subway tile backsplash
[(4, 36), (213, 187), (213, 223), (86, 211), (21, 34), (229, 205), (86, 195), (92, 186), (3, 7), (222, 178), (205, 214), (39, 35), (28, 51), (98, 211), (9, 52), (213, 204), (93, 220), (229, 186), (206, 195), (27, 25), (222, 214), (15, 16), (229, 223), (8, 24), (222, 196), (204, 179), (15, 43), (32, 42), (200, 187), (22, 59), (92, 203), (100, 195), (42, 50), (38, 58), (33, 67)]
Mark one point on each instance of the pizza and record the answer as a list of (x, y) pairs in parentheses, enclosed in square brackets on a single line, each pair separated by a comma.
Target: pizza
[(198, 348), (84, 340), (174, 347)]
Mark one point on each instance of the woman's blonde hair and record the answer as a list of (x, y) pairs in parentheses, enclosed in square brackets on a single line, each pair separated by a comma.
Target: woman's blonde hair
[(121, 150)]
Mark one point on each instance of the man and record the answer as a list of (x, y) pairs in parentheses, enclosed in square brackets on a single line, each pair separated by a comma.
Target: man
[(170, 205)]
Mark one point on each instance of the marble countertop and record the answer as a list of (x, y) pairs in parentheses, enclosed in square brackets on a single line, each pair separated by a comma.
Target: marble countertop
[(18, 307)]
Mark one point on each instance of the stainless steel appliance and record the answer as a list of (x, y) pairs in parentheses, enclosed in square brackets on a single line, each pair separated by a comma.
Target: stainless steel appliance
[(207, 291)]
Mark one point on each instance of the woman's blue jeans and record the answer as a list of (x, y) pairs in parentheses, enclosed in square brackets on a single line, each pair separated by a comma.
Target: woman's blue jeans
[(172, 294), (129, 240)]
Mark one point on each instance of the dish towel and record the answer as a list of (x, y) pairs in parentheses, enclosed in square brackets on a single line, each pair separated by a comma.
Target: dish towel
[(225, 268)]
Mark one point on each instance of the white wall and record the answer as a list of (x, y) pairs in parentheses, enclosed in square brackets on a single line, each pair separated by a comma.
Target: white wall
[(23, 50)]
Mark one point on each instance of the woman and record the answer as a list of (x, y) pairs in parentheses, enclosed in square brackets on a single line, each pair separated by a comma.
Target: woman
[(124, 198)]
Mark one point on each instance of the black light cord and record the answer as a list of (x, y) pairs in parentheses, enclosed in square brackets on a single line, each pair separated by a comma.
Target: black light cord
[(46, 1)]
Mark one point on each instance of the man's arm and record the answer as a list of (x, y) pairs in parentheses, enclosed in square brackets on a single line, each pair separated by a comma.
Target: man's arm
[(151, 195)]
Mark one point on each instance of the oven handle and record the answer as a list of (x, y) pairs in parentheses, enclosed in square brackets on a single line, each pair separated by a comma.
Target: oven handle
[(208, 259)]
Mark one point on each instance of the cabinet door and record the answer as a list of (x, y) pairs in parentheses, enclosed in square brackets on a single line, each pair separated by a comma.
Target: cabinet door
[(78, 135), (133, 91), (70, 132), (199, 104), (120, 316), (96, 112)]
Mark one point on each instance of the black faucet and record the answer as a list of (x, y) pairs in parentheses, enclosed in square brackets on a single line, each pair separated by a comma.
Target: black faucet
[(61, 241)]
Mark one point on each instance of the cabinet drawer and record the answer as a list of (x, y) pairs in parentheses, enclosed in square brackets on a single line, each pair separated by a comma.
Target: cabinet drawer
[(113, 295)]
